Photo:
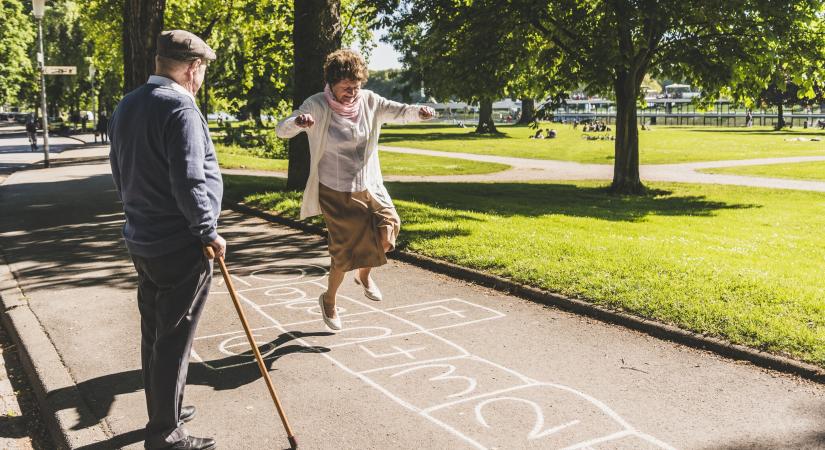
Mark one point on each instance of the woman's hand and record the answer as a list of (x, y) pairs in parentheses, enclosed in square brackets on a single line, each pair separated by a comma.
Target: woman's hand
[(305, 121), (426, 113)]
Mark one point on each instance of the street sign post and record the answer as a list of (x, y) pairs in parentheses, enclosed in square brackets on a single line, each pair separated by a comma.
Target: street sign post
[(60, 70)]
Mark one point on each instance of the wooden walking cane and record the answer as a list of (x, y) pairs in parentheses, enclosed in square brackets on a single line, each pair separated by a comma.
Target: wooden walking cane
[(210, 252)]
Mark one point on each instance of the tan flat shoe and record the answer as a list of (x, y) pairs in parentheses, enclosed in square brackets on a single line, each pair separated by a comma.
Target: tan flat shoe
[(333, 324), (372, 292)]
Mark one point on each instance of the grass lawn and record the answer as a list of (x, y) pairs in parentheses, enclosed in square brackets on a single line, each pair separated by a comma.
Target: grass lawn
[(741, 263), (233, 157), (800, 171), (661, 146)]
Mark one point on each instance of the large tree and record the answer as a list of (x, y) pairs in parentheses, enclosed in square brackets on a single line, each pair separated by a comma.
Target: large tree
[(67, 45), (142, 23), (102, 24), (16, 39), (316, 33), (789, 72), (790, 94), (610, 45), (466, 50)]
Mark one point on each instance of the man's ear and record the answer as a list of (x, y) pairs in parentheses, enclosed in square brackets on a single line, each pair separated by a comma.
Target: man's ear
[(193, 69)]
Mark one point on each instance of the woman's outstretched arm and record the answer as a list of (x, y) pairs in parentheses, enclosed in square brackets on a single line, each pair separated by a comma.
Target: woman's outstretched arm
[(391, 111), (299, 120)]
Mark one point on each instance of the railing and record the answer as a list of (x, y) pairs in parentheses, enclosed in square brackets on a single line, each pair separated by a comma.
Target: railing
[(694, 118)]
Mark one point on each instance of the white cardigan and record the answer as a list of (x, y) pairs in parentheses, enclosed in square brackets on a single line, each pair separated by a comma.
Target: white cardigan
[(378, 109)]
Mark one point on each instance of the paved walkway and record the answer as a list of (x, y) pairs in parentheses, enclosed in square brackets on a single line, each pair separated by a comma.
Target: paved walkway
[(439, 364), (16, 154), (524, 169)]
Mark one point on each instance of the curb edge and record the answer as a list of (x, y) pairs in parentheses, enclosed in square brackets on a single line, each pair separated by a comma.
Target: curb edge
[(651, 327), (58, 397)]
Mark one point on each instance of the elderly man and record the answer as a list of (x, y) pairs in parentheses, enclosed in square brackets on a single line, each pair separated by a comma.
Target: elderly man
[(164, 166)]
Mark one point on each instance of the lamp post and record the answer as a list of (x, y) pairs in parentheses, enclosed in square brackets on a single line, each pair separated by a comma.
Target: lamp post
[(92, 71), (38, 8)]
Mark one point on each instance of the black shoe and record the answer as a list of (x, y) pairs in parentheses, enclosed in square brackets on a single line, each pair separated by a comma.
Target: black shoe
[(187, 413), (194, 443)]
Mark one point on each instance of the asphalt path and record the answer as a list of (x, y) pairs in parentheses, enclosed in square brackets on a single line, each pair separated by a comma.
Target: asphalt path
[(16, 153), (439, 363)]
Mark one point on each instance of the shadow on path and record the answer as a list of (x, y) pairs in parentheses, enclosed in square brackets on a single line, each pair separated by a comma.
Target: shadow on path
[(67, 234), (237, 371)]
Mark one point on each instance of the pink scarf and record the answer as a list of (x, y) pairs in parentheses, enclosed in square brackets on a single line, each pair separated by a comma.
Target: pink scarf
[(350, 111)]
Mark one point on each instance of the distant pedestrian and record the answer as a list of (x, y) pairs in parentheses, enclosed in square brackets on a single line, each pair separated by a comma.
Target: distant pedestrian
[(103, 128), (748, 119), (167, 176), (31, 132)]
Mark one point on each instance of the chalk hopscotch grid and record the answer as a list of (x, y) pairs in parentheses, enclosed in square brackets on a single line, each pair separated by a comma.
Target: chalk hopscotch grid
[(427, 413)]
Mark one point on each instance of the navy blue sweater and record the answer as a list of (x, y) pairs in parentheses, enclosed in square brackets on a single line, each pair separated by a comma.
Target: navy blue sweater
[(165, 169)]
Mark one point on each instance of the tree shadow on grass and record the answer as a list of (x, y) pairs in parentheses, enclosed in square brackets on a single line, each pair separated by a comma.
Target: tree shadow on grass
[(533, 200), (389, 139)]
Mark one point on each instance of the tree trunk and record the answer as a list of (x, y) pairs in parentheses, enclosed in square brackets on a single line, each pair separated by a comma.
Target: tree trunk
[(315, 34), (780, 116), (142, 23), (626, 165), (528, 111), (255, 110), (485, 117)]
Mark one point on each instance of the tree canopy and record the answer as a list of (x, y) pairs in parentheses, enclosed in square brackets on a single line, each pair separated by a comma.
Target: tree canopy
[(17, 35), (611, 45), (465, 50)]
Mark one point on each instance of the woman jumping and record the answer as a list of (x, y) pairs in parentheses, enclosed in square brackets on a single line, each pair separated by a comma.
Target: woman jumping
[(345, 184)]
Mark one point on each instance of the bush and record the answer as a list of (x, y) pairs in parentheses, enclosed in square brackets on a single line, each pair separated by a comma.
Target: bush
[(263, 143), (273, 146)]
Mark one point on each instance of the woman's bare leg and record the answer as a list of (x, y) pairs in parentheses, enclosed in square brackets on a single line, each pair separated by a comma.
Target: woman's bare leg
[(364, 275), (336, 277)]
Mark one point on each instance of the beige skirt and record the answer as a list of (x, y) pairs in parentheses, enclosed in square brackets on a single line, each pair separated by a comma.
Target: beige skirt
[(357, 224)]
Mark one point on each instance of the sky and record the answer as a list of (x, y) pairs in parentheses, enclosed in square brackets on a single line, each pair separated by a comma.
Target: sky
[(384, 56)]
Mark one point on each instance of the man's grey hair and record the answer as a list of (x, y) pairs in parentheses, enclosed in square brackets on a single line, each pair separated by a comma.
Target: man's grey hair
[(166, 64)]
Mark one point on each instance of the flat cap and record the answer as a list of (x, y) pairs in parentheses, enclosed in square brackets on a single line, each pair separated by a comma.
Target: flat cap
[(183, 45)]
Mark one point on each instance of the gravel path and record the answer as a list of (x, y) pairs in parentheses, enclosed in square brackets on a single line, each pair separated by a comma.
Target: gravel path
[(523, 169), (537, 169)]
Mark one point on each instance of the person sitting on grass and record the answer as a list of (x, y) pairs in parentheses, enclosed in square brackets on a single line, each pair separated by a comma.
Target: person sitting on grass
[(538, 135)]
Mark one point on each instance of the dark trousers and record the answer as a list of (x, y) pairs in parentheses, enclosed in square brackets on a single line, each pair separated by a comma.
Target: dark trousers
[(172, 291)]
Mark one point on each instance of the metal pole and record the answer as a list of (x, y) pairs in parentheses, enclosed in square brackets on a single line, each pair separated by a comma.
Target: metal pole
[(43, 106), (94, 108)]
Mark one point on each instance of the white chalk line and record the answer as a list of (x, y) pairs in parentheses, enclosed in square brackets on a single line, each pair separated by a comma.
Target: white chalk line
[(594, 401), (426, 413)]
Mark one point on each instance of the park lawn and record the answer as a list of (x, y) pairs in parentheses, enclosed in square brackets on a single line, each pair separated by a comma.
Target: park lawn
[(799, 171), (740, 263), (662, 145), (233, 157)]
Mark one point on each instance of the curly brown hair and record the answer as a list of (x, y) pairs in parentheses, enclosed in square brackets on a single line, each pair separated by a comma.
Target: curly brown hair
[(345, 64)]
